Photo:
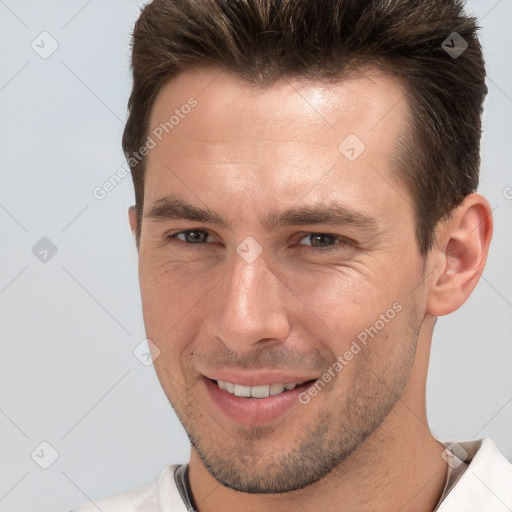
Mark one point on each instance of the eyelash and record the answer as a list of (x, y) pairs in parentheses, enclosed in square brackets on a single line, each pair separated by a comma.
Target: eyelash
[(342, 242)]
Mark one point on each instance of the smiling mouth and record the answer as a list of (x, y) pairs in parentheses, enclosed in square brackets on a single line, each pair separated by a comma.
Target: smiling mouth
[(262, 391), (259, 404)]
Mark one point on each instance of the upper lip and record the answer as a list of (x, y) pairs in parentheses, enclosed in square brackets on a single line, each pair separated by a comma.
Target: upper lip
[(248, 377)]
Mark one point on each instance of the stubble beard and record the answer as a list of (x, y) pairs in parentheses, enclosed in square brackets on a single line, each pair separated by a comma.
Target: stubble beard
[(240, 463)]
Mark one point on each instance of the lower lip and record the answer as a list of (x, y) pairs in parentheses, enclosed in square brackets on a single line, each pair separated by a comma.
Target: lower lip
[(251, 411)]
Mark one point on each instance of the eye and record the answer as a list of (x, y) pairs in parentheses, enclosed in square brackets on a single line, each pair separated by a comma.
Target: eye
[(323, 242), (191, 236), (315, 242)]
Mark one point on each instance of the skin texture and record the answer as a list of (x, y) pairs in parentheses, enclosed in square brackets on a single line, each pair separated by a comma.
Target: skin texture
[(363, 442)]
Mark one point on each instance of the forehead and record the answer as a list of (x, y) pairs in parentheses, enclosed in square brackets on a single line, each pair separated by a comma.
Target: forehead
[(242, 140), (358, 103)]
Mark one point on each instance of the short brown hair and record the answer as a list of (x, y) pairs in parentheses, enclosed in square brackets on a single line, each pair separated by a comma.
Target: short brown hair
[(263, 40)]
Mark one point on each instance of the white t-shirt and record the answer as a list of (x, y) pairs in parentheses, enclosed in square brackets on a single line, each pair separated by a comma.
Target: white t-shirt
[(485, 485)]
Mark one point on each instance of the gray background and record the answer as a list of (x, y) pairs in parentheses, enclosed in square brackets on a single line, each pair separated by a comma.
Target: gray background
[(70, 324)]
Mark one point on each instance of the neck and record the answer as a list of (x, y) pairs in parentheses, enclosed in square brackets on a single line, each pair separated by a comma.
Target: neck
[(397, 467)]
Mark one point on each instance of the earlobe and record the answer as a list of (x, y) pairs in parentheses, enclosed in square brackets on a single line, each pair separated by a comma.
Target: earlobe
[(459, 255)]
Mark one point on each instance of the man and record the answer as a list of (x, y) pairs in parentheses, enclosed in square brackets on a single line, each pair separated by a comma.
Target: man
[(305, 177)]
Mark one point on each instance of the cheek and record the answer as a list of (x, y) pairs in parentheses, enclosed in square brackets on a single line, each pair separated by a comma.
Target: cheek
[(375, 360), (172, 295), (354, 312), (344, 299), (168, 289)]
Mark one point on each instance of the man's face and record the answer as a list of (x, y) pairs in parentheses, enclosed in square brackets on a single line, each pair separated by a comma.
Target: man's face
[(309, 254)]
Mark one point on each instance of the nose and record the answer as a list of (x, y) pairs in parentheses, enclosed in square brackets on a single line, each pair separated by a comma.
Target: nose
[(251, 307)]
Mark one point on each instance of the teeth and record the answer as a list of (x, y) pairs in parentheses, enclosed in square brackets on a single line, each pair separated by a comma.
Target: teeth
[(276, 389), (242, 390), (260, 391), (263, 391)]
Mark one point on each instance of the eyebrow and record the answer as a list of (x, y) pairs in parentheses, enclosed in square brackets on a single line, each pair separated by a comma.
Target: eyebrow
[(173, 208)]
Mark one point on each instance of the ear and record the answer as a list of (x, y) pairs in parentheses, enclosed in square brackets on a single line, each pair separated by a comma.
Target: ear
[(459, 255), (132, 218)]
